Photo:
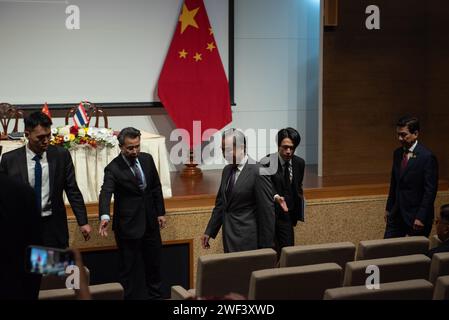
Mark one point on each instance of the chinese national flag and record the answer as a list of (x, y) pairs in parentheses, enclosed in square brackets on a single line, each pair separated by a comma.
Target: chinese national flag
[(46, 110), (192, 85)]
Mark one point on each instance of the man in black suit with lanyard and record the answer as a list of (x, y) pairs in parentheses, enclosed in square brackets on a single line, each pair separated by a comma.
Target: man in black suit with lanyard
[(413, 186), (49, 170), (139, 212), (287, 172)]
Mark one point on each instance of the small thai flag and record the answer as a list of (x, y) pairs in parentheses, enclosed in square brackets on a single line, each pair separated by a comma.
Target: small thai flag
[(80, 116)]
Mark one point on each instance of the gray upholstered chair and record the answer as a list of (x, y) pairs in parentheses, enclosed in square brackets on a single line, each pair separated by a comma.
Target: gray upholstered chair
[(384, 248), (291, 283), (439, 266), (339, 253), (223, 273), (418, 289), (390, 269), (441, 291)]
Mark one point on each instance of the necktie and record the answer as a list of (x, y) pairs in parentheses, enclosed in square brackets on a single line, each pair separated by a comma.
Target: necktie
[(38, 180), (287, 176), (231, 181), (404, 160), (138, 175)]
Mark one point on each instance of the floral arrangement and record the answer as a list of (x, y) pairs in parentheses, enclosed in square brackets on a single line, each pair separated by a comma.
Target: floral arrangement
[(71, 137)]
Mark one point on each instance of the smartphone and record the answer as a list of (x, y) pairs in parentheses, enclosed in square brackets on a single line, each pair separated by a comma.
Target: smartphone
[(48, 261)]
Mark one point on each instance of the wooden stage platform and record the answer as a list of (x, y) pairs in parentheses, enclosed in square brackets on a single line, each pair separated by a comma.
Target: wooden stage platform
[(202, 192)]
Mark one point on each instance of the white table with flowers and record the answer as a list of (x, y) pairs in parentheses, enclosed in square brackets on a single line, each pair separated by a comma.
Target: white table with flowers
[(93, 148)]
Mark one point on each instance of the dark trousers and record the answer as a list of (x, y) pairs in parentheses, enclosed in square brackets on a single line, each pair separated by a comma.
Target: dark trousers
[(50, 234), (139, 266), (284, 235), (397, 227)]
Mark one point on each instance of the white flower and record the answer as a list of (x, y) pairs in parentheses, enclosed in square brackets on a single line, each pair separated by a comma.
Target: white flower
[(54, 131), (111, 140), (66, 138), (81, 132), (64, 131)]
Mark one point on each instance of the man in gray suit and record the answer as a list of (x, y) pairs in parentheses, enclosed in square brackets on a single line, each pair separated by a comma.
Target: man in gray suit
[(244, 204)]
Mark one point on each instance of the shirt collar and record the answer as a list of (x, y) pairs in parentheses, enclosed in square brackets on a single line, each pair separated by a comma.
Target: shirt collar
[(30, 153), (413, 146), (242, 163), (283, 161), (127, 161)]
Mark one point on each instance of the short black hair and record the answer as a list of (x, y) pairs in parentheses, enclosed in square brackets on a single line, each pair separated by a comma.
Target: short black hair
[(238, 135), (128, 132), (412, 123), (290, 133), (35, 119), (444, 213)]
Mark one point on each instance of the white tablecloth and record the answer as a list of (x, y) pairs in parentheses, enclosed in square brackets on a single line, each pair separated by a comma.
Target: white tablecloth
[(90, 163)]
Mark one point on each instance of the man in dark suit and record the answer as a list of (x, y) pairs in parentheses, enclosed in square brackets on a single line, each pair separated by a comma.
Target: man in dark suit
[(286, 176), (442, 231), (413, 186), (49, 170), (21, 226), (244, 205), (138, 215)]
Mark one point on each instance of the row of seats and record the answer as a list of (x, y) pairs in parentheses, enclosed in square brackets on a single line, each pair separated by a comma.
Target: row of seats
[(306, 272), (54, 288)]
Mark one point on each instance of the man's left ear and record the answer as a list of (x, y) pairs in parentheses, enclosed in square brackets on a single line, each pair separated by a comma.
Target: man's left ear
[(27, 133)]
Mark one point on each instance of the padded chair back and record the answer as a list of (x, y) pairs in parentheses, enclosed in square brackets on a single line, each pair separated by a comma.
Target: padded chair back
[(339, 253), (441, 291), (384, 248), (439, 266), (220, 274), (291, 283), (390, 269), (418, 289)]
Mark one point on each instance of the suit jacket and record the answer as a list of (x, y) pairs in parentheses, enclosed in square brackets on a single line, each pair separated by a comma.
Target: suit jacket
[(295, 203), (412, 192), (21, 227), (62, 178), (134, 210), (247, 216)]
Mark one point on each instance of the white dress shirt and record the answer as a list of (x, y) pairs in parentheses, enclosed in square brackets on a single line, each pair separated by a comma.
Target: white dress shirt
[(31, 164)]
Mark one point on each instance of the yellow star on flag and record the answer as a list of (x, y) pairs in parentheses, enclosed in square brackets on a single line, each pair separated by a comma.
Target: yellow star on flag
[(182, 54), (197, 57), (210, 46), (211, 32), (187, 18)]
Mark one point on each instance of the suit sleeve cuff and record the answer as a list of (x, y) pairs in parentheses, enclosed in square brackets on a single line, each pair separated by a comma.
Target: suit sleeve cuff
[(105, 217)]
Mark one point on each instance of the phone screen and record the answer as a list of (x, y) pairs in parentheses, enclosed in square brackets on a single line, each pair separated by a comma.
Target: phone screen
[(48, 261)]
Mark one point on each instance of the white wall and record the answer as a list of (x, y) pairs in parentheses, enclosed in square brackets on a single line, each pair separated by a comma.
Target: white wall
[(276, 68)]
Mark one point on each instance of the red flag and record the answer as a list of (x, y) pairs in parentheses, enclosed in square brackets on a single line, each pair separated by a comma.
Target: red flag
[(192, 85), (46, 110)]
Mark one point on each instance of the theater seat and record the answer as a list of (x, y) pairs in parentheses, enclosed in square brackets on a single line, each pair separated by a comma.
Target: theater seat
[(223, 273), (384, 248), (390, 269), (434, 241), (55, 282), (441, 291), (339, 253), (107, 291), (291, 283), (418, 289), (439, 266)]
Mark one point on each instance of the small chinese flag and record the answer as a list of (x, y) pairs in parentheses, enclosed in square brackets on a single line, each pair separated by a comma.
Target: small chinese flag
[(193, 85), (46, 110)]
